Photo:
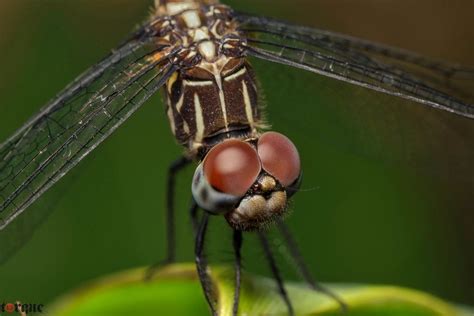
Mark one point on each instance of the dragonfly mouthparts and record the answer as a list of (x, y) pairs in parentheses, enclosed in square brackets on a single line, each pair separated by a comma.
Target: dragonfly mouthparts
[(266, 202)]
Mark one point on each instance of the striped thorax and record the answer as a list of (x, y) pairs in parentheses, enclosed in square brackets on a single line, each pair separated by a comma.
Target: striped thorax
[(214, 91)]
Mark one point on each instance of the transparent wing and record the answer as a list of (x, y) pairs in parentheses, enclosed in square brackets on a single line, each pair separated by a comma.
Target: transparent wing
[(75, 122), (389, 70)]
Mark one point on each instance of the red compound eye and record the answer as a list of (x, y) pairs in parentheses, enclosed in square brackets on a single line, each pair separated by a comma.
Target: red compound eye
[(232, 167), (279, 157)]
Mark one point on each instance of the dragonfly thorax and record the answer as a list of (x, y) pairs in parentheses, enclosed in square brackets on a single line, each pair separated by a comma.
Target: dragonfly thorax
[(214, 91), (211, 101)]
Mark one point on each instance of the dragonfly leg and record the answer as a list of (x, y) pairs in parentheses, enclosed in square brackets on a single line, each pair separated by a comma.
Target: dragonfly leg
[(237, 243), (173, 170), (276, 273), (303, 269), (201, 264), (193, 212)]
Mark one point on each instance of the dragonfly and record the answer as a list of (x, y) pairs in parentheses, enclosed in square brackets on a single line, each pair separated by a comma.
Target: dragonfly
[(197, 53)]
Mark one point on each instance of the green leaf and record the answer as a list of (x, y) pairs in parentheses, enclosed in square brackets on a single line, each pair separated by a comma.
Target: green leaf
[(175, 290)]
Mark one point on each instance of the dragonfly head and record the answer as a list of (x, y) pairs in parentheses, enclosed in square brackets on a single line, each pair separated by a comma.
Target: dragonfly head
[(248, 181)]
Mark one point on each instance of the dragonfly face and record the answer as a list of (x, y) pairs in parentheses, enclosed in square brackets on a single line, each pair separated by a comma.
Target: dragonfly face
[(248, 181)]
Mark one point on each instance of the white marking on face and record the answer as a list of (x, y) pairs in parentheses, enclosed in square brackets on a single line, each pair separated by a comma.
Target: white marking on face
[(199, 118), (191, 18), (209, 198), (248, 105)]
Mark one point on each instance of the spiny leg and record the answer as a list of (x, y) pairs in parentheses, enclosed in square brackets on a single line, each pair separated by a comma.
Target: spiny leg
[(302, 268), (175, 167), (237, 242), (201, 263), (275, 271)]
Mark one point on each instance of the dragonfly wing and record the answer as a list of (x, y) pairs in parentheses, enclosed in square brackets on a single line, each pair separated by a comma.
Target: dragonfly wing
[(79, 119), (375, 66)]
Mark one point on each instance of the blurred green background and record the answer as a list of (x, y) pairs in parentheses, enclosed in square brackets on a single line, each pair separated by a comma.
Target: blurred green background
[(388, 185)]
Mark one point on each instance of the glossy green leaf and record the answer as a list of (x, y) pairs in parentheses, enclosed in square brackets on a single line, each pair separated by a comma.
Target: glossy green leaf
[(175, 290)]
